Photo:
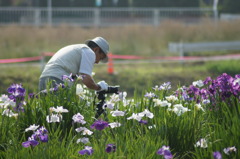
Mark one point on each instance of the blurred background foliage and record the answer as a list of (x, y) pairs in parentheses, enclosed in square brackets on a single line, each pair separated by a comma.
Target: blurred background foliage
[(148, 41), (19, 41), (229, 6)]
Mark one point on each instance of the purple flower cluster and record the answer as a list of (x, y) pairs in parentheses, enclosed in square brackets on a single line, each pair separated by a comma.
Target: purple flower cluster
[(40, 134), (88, 150), (99, 125), (110, 148), (221, 88), (144, 122), (150, 95), (32, 95), (68, 78), (229, 151), (164, 151), (53, 89), (17, 94), (217, 155)]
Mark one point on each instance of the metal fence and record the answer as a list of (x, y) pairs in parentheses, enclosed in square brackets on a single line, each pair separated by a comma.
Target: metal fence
[(88, 17)]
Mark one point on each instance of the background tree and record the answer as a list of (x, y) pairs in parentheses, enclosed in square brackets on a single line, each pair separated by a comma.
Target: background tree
[(224, 6), (166, 3), (230, 6), (5, 2)]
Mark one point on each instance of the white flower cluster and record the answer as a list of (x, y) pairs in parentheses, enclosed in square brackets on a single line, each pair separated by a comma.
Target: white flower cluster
[(139, 116), (164, 86), (82, 92), (179, 109), (84, 130), (6, 104), (115, 98), (198, 83), (57, 116), (202, 143), (158, 102)]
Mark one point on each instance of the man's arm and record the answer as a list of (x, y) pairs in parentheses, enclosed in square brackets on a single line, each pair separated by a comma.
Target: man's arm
[(89, 82)]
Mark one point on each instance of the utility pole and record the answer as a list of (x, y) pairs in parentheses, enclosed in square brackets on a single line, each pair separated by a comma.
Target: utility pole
[(50, 12), (98, 3), (215, 9)]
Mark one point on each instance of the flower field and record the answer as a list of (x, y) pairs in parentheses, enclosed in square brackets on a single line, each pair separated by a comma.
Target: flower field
[(197, 121)]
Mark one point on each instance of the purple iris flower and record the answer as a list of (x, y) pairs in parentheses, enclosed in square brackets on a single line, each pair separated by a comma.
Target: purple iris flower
[(32, 96), (110, 148), (30, 142), (61, 85), (99, 125), (144, 122), (185, 96), (16, 88), (164, 151), (16, 91), (224, 84), (193, 90), (39, 135), (88, 150), (67, 78), (43, 138), (204, 93), (150, 95), (17, 94), (207, 81), (217, 155)]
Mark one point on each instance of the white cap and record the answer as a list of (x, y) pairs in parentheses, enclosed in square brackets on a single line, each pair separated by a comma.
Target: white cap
[(103, 44)]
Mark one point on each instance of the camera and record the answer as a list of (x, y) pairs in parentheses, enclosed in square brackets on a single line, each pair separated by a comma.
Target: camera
[(111, 89), (101, 97)]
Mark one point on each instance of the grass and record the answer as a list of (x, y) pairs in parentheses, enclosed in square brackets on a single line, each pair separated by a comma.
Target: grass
[(19, 41), (131, 77)]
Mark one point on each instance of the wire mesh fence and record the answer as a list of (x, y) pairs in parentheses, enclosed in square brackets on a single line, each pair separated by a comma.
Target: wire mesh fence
[(100, 16)]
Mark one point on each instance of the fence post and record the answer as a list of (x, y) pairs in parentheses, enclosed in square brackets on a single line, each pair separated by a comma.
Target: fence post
[(215, 9), (42, 61), (156, 17), (96, 17), (50, 12), (37, 19), (181, 52)]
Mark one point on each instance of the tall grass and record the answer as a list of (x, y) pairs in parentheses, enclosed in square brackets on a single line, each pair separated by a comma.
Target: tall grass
[(18, 41)]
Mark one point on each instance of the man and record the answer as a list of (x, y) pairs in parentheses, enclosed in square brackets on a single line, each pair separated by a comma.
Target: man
[(76, 60)]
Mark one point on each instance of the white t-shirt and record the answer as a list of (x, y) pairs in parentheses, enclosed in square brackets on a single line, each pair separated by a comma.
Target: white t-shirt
[(75, 59), (87, 61)]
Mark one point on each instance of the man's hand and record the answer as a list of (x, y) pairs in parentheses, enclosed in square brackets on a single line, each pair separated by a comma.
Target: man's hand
[(103, 85)]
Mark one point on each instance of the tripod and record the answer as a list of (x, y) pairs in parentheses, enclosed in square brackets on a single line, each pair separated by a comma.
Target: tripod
[(101, 97)]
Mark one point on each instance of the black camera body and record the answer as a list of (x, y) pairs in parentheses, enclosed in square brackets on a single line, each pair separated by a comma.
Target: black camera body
[(111, 89), (101, 97)]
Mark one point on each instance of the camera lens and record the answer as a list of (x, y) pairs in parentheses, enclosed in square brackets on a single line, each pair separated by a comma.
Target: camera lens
[(112, 89)]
